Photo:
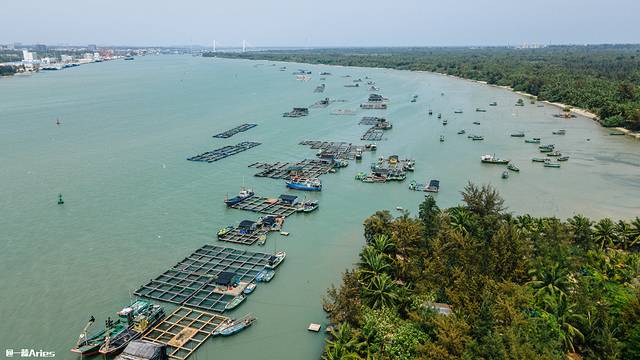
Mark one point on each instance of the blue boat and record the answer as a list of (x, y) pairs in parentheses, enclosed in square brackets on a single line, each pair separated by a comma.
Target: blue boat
[(304, 184), (243, 195), (250, 288)]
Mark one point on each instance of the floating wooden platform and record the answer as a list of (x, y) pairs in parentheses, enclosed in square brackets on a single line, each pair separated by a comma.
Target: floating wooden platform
[(192, 281), (184, 331), (265, 205), (372, 134), (223, 152), (371, 120), (238, 129), (336, 150), (308, 168), (238, 237)]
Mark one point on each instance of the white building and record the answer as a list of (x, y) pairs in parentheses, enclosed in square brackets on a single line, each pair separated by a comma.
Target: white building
[(27, 56)]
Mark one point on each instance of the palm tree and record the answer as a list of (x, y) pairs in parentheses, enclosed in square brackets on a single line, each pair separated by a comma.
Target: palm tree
[(635, 233), (460, 219), (624, 232), (372, 262), (605, 233), (380, 292), (342, 345), (568, 320), (549, 281), (383, 244), (581, 228)]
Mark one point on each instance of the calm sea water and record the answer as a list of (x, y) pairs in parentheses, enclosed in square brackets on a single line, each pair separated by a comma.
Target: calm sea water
[(135, 206)]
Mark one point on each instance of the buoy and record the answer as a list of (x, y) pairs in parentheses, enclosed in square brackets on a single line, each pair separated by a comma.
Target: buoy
[(60, 201)]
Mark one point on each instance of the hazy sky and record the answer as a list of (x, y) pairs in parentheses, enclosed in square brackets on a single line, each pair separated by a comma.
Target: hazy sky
[(320, 23)]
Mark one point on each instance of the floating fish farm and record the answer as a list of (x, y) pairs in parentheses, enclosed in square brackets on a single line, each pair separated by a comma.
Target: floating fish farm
[(267, 206), (184, 331), (238, 129), (334, 150), (239, 236), (192, 282), (308, 168), (223, 152), (372, 134)]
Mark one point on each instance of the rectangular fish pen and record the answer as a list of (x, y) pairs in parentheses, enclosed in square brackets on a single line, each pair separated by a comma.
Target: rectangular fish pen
[(308, 168), (265, 206), (238, 129), (236, 236), (223, 152), (372, 134), (192, 281), (336, 150), (184, 331)]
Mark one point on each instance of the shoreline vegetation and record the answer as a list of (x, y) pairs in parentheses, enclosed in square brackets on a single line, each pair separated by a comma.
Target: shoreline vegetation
[(476, 282), (601, 82)]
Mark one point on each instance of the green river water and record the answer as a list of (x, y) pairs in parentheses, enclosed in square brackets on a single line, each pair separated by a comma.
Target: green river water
[(135, 206)]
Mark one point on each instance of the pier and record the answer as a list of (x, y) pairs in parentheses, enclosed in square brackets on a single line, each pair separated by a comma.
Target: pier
[(192, 281), (238, 129), (184, 331), (308, 168), (223, 152)]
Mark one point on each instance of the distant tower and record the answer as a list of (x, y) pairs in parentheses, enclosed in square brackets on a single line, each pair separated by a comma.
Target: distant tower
[(214, 46), (244, 45)]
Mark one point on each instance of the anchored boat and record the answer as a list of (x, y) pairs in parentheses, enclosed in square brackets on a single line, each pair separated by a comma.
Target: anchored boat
[(243, 195), (518, 134), (235, 302), (276, 259), (234, 326), (304, 184), (148, 315), (512, 167), (532, 141), (492, 159)]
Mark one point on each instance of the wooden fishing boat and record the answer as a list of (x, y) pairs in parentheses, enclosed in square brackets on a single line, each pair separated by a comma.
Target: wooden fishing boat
[(232, 327), (551, 165), (235, 302), (512, 167)]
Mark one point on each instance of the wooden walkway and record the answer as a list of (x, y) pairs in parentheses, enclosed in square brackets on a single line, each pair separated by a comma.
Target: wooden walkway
[(223, 152), (265, 205), (184, 331), (308, 168)]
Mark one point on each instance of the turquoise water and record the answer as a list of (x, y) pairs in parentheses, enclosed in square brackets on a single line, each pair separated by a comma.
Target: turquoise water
[(135, 206)]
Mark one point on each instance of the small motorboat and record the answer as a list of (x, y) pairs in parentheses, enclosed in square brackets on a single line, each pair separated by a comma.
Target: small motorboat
[(559, 132), (554, 153), (441, 138), (513, 168), (505, 174), (284, 233), (551, 165), (563, 158), (461, 132), (265, 275), (250, 288), (244, 194), (518, 134), (276, 259), (235, 302), (476, 122), (434, 186)]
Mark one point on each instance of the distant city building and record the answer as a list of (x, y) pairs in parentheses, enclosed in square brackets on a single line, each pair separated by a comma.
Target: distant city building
[(40, 48), (66, 58), (17, 45), (27, 56), (92, 47)]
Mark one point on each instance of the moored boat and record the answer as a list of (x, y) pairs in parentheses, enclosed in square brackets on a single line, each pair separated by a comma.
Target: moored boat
[(532, 141), (480, 110), (563, 158), (492, 159), (512, 167), (276, 259), (493, 104), (554, 153), (539, 159), (304, 184), (441, 138), (551, 165), (559, 132), (476, 122), (235, 302), (147, 316), (476, 137), (518, 134), (244, 194), (505, 174), (232, 327), (249, 288), (265, 275), (461, 132)]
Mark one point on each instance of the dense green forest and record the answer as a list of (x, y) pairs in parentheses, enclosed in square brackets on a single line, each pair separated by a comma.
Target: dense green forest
[(604, 79), (519, 287)]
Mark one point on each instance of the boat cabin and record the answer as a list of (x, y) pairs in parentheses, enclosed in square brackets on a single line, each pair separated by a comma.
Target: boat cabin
[(247, 226), (288, 199), (143, 350), (227, 278)]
